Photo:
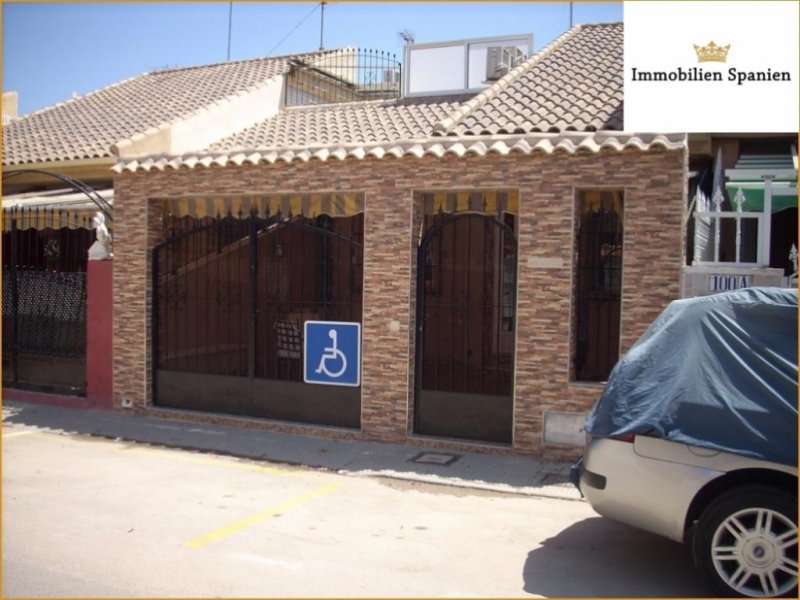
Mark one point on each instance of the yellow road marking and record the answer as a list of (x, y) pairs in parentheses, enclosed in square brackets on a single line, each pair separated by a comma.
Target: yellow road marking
[(17, 434), (241, 524)]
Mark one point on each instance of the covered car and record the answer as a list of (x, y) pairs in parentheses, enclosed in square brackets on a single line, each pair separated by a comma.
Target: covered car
[(695, 438), (715, 371)]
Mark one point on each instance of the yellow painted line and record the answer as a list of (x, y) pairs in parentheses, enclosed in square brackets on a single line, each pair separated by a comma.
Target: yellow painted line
[(17, 434), (241, 524)]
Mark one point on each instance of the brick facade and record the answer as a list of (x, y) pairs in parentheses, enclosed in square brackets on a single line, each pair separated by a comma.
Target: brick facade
[(654, 186)]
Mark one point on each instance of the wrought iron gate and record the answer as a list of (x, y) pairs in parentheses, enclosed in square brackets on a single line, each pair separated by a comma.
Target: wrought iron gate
[(44, 300), (229, 301), (466, 312)]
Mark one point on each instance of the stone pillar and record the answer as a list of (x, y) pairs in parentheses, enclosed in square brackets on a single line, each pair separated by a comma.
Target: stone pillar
[(385, 328)]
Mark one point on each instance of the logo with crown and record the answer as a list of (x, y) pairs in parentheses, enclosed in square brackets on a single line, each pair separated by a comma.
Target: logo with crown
[(711, 52)]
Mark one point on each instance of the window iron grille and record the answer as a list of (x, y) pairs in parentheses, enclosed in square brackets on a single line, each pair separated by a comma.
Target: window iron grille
[(598, 287)]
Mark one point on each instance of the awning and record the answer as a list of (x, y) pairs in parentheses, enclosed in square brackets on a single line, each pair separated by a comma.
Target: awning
[(784, 194), (283, 205), (491, 202), (52, 209), (752, 173)]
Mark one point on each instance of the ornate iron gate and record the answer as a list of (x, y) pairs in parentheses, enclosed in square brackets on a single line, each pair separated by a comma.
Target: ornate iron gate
[(466, 312), (229, 301), (44, 300)]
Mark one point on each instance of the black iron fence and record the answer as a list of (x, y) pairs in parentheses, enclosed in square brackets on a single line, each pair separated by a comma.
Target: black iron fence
[(44, 298), (230, 297), (345, 75)]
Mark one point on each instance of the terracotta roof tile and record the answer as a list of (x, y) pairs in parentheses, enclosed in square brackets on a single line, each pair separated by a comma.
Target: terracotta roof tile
[(575, 84), (572, 85), (87, 126), (566, 143), (351, 123)]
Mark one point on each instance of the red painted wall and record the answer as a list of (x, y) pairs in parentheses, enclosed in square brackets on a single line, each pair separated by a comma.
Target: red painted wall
[(99, 333)]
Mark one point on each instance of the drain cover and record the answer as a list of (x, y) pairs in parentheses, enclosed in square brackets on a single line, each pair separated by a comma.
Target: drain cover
[(435, 458)]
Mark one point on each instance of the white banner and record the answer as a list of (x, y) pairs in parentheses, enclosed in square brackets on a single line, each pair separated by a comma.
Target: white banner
[(712, 66)]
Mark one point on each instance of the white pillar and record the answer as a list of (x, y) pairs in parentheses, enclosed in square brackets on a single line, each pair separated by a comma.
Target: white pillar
[(767, 228)]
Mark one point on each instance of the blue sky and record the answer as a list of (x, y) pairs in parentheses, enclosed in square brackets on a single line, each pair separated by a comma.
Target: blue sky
[(52, 50)]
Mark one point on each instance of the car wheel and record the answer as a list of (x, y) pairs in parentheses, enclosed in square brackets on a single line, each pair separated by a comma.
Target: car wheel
[(745, 543)]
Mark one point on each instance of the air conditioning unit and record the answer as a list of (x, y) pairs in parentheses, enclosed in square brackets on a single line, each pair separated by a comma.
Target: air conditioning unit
[(391, 76), (501, 59)]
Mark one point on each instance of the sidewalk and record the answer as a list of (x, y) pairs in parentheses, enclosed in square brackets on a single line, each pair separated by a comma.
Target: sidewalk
[(510, 474)]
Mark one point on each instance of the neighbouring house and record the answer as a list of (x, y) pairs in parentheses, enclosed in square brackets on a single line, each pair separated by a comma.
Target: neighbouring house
[(743, 212), (494, 233)]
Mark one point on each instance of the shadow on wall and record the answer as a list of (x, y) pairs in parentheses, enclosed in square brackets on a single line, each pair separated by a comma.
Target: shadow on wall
[(600, 557)]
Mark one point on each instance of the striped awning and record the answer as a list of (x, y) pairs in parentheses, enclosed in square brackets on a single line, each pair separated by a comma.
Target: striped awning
[(491, 202), (595, 200), (47, 218), (284, 205), (52, 209)]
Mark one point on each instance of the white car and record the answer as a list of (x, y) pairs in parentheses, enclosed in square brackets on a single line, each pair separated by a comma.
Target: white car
[(702, 448)]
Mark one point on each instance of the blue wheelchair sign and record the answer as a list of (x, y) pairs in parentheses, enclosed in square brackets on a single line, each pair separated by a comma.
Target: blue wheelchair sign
[(332, 353)]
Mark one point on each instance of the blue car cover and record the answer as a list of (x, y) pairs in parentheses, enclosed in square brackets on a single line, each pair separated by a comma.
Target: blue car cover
[(716, 371)]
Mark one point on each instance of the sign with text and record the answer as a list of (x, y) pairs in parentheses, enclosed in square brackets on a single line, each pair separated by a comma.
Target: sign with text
[(726, 283), (712, 66)]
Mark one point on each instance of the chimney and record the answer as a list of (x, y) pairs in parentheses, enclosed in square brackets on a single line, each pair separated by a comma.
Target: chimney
[(10, 106)]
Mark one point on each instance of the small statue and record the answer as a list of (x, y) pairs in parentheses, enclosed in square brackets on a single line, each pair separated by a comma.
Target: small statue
[(101, 249)]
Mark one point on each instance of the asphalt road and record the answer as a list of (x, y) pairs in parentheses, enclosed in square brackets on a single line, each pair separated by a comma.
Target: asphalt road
[(93, 517)]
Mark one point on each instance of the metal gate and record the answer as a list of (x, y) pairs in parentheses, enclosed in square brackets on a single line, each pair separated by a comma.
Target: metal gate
[(44, 299), (466, 312), (230, 298)]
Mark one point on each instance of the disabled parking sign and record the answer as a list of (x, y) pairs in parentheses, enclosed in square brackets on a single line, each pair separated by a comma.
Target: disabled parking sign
[(332, 353)]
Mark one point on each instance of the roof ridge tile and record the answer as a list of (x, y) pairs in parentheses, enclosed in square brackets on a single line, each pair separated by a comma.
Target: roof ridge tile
[(244, 60), (502, 144)]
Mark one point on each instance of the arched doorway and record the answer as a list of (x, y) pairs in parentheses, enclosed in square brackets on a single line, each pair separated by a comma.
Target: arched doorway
[(466, 323)]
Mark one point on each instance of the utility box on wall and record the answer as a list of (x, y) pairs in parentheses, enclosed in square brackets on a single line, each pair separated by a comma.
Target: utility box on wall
[(564, 428)]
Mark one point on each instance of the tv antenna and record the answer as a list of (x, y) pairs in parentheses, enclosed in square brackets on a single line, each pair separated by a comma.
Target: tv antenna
[(407, 36), (321, 24)]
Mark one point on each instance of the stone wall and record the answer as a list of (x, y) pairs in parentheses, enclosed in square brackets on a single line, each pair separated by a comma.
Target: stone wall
[(654, 186)]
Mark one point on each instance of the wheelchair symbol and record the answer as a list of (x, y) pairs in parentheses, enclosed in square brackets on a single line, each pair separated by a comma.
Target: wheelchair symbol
[(332, 353)]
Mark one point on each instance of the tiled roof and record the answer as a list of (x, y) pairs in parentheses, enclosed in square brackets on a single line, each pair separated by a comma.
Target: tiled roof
[(554, 101), (351, 123), (567, 98), (87, 126), (574, 84)]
